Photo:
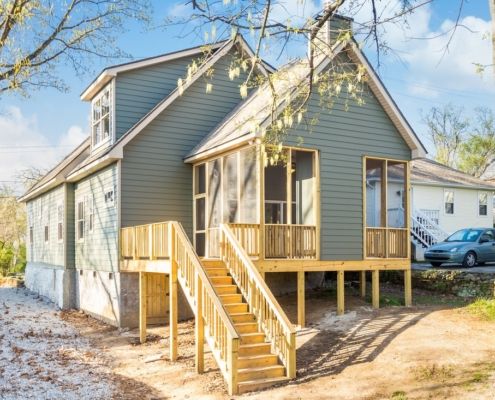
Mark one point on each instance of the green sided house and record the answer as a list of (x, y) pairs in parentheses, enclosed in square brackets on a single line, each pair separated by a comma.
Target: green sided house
[(170, 205)]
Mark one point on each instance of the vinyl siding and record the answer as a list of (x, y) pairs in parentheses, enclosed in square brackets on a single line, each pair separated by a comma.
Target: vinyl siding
[(343, 138), (99, 248), (138, 91), (156, 184), (42, 212)]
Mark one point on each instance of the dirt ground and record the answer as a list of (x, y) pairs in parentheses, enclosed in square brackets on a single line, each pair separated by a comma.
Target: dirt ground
[(434, 350)]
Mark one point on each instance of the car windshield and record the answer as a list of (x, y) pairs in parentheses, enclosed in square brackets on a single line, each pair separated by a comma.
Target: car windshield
[(465, 235)]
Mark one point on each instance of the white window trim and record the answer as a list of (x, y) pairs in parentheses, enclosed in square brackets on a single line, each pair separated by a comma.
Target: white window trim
[(90, 211), (61, 221), (78, 238), (111, 136), (453, 202), (478, 203)]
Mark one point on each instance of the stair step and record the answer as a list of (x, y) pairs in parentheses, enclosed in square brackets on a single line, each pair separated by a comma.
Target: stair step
[(221, 280), (262, 360), (236, 308), (250, 374), (242, 317), (253, 349), (259, 384), (212, 263), (231, 298), (250, 338), (217, 271), (226, 289), (246, 327)]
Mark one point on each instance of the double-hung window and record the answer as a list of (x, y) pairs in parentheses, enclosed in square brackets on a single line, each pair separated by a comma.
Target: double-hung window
[(80, 220), (60, 222), (101, 119), (448, 199), (482, 204)]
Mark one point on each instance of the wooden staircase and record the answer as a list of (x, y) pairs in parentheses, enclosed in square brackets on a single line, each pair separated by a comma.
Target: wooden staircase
[(258, 367)]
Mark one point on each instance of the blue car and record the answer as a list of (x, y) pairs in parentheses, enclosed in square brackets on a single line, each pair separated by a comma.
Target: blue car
[(467, 247)]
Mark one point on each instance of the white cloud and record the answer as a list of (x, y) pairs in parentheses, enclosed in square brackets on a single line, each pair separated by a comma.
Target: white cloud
[(431, 67), (23, 145)]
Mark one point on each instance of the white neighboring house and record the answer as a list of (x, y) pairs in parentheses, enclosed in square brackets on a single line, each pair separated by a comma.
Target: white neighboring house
[(445, 200)]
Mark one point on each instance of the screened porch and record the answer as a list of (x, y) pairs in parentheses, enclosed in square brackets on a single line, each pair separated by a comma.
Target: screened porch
[(271, 208)]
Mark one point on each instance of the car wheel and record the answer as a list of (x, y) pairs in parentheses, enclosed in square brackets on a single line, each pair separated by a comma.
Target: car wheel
[(435, 264), (469, 260)]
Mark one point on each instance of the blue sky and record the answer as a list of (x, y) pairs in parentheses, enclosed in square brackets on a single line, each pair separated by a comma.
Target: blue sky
[(52, 122)]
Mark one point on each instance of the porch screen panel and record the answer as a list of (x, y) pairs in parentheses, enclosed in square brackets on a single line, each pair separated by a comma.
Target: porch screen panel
[(303, 188), (248, 183), (214, 206), (230, 189), (276, 194), (374, 172), (396, 194)]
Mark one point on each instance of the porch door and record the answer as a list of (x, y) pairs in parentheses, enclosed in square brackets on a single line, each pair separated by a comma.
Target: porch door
[(200, 209)]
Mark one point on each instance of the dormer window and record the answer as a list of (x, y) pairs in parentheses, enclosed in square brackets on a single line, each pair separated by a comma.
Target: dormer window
[(101, 121)]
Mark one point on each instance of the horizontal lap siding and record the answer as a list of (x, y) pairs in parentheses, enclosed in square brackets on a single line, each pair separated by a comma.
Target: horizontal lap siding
[(138, 91), (156, 184), (343, 138), (40, 212), (99, 249)]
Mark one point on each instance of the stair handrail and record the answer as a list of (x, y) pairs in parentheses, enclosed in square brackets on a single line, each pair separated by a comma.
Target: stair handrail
[(415, 224), (262, 303), (220, 332), (439, 233)]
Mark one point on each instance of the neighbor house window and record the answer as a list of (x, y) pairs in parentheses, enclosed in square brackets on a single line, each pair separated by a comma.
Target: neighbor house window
[(47, 235), (448, 197), (31, 235), (483, 204), (80, 220), (110, 197), (60, 222), (102, 116)]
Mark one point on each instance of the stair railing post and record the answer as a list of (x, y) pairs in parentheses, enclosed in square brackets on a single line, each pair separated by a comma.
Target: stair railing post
[(143, 297), (291, 364), (173, 293), (199, 331), (233, 352)]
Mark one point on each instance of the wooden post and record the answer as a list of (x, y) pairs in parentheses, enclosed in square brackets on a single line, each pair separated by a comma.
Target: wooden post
[(200, 335), (233, 352), (150, 244), (301, 302), (261, 180), (291, 364), (173, 318), (375, 288), (340, 293), (384, 207), (407, 288), (288, 185), (143, 295), (362, 283)]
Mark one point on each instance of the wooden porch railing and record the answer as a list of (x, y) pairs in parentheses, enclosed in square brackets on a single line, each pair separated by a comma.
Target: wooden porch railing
[(281, 240), (387, 242), (145, 242), (168, 240), (269, 315)]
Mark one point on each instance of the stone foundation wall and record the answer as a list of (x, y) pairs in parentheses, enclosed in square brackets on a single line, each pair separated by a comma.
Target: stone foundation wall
[(52, 282), (462, 283)]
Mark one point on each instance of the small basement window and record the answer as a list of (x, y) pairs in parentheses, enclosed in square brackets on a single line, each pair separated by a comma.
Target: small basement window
[(483, 204), (60, 223), (448, 197)]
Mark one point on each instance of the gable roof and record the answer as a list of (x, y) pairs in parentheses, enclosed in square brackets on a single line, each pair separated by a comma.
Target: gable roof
[(57, 174), (82, 164), (237, 127), (428, 172)]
